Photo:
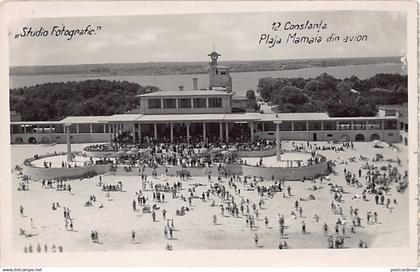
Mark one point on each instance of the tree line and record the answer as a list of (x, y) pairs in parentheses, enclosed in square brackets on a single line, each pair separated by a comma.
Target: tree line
[(57, 100), (350, 97)]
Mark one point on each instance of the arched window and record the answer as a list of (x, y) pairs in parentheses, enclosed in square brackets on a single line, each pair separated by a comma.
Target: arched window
[(374, 137), (359, 138)]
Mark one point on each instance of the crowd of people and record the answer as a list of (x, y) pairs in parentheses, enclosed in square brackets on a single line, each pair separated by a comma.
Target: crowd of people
[(245, 199), (46, 249)]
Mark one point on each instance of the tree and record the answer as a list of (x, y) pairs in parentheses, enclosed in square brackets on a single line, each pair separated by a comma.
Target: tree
[(54, 101), (324, 93), (292, 95), (313, 85), (251, 100), (250, 95)]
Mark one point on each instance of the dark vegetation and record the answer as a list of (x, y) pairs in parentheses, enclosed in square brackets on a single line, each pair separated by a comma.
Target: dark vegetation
[(340, 98), (54, 101)]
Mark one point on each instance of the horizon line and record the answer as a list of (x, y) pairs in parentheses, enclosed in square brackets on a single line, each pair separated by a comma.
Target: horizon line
[(198, 61)]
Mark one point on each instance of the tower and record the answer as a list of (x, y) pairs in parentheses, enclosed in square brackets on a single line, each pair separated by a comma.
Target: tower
[(219, 76)]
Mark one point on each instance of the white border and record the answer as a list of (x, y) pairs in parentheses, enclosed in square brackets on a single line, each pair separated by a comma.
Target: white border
[(303, 257)]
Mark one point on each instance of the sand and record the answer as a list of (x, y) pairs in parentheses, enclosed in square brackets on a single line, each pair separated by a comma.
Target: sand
[(196, 230)]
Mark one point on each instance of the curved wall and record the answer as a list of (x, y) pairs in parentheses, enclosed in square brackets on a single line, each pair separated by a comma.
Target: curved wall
[(71, 173), (286, 173), (260, 153), (63, 172)]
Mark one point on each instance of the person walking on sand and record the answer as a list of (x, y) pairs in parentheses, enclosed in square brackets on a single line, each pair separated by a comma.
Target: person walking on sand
[(134, 205), (256, 239), (214, 219), (303, 227), (171, 233), (133, 236)]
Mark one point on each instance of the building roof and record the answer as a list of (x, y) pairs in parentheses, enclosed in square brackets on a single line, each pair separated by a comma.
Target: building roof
[(181, 117), (299, 116), (241, 117), (35, 122), (185, 93), (122, 118), (314, 116), (397, 107), (239, 97), (216, 117), (82, 119)]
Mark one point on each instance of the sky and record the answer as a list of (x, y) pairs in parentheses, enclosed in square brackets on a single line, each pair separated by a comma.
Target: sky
[(190, 37)]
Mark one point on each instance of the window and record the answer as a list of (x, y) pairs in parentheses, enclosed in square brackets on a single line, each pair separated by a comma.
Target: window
[(169, 103), (84, 128), (98, 128), (314, 125), (154, 103), (199, 102), (215, 102), (390, 124), (299, 126), (269, 126), (221, 71), (285, 126), (58, 128), (73, 128), (373, 125), (344, 125), (328, 125), (17, 129), (184, 103), (359, 125), (329, 135)]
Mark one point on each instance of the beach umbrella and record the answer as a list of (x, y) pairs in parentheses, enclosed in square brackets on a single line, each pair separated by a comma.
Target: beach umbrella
[(134, 150), (129, 152), (203, 150)]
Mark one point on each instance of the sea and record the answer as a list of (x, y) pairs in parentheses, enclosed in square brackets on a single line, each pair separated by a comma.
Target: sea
[(241, 81)]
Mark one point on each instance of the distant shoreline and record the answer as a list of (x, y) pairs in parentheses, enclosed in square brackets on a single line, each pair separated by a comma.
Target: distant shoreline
[(185, 68)]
